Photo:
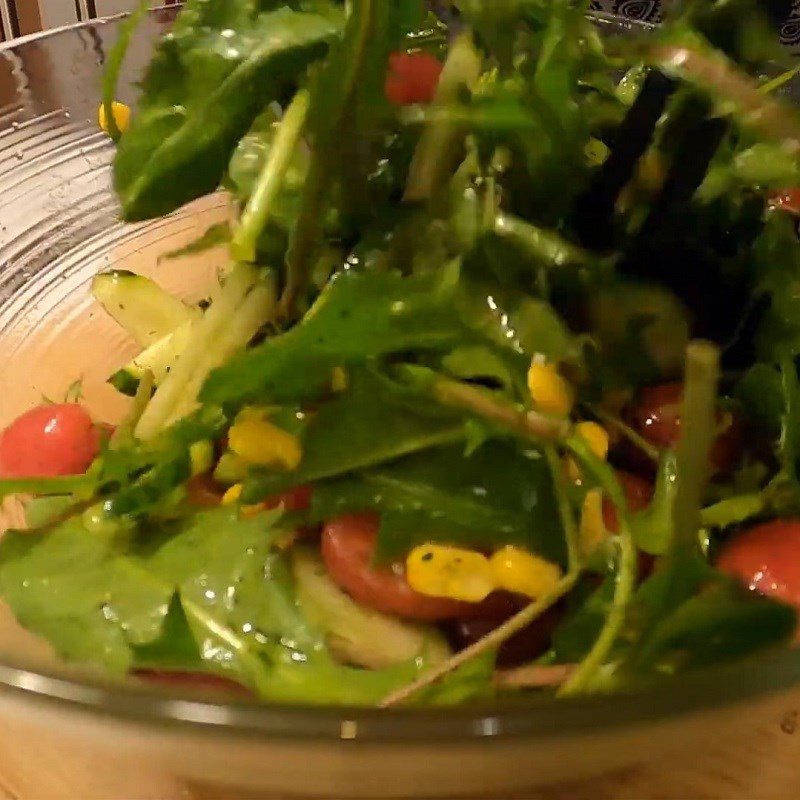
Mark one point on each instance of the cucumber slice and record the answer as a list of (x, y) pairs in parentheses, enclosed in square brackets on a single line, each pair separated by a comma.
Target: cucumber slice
[(158, 358), (355, 634), (245, 302), (141, 306)]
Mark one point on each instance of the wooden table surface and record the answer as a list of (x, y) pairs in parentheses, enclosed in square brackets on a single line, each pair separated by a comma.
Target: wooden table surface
[(765, 766)]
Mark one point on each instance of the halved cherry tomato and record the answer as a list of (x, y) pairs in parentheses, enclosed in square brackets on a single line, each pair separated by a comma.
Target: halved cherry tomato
[(49, 440), (657, 417), (297, 499), (524, 646), (348, 547), (412, 78), (786, 200), (192, 680), (766, 558), (638, 493)]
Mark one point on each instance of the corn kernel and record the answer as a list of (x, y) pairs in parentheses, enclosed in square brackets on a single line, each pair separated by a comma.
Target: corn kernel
[(232, 494), (598, 440), (452, 572), (592, 529), (260, 442), (253, 510), (595, 436), (519, 571), (339, 379), (551, 394), (122, 116), (201, 457)]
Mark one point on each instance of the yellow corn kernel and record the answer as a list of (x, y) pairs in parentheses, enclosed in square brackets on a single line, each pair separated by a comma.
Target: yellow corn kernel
[(444, 571), (551, 394), (122, 116), (232, 495), (595, 436), (592, 529), (252, 510), (598, 440), (260, 442), (339, 379), (521, 572), (201, 457)]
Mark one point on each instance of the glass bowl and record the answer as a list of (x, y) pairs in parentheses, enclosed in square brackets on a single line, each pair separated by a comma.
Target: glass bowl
[(58, 227)]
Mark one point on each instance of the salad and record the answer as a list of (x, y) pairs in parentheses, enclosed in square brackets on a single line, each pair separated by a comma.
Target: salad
[(498, 393)]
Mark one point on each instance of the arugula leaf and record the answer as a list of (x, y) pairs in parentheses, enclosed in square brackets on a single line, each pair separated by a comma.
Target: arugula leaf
[(761, 396), (498, 495), (346, 97), (209, 592), (357, 316), (723, 621), (653, 527), (83, 593), (214, 236), (201, 93), (368, 424), (776, 263)]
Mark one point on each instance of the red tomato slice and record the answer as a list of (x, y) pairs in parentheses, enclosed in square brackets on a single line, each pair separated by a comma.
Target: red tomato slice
[(766, 558), (657, 417), (348, 546), (49, 440), (412, 78)]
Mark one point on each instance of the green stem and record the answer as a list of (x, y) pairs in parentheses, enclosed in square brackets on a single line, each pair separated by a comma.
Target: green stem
[(546, 247), (527, 424), (779, 80), (437, 151), (697, 434), (116, 56), (326, 130), (713, 73), (268, 185), (585, 674), (123, 435), (564, 508)]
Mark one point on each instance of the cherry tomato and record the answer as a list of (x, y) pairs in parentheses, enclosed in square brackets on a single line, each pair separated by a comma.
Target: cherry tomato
[(348, 546), (297, 499), (47, 441), (191, 680), (657, 417), (524, 646), (766, 558), (412, 78), (786, 200), (638, 493)]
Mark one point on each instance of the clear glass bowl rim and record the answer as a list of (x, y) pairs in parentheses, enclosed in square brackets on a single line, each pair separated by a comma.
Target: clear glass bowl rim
[(530, 717)]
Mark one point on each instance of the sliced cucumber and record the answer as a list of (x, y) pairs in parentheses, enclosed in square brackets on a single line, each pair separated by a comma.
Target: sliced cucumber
[(141, 306), (245, 302), (158, 358), (358, 635)]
